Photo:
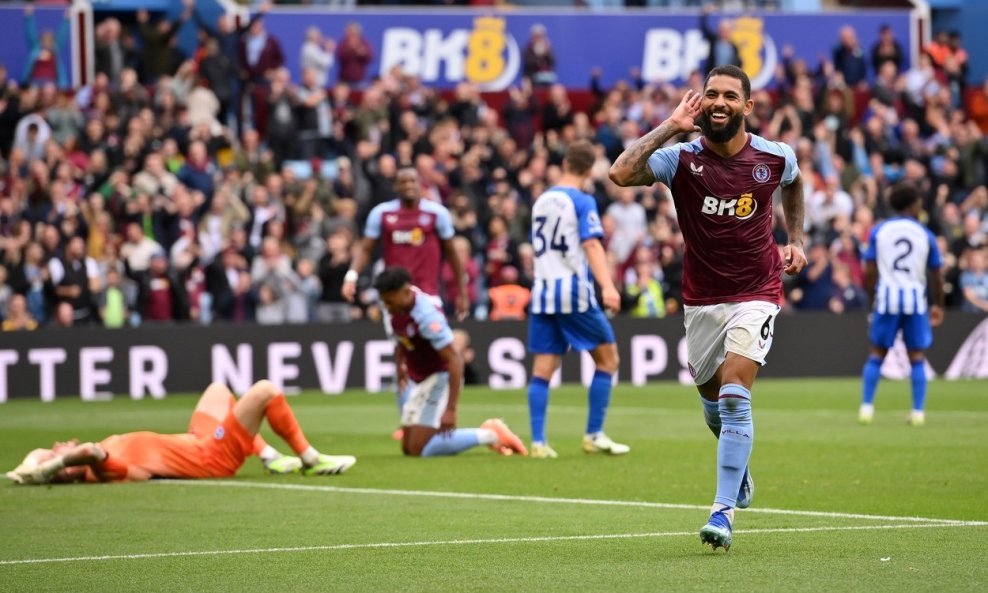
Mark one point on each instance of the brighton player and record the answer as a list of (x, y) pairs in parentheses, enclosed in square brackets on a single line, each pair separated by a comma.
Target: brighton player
[(900, 252), (566, 234), (222, 433), (414, 234), (722, 184), (435, 375)]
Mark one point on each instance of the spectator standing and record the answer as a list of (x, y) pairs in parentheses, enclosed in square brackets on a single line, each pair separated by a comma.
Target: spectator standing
[(44, 63), (111, 55), (317, 53), (161, 294), (315, 116), (887, 49), (848, 58), (157, 39), (631, 224), (75, 279), (228, 34), (723, 51), (353, 55), (539, 61)]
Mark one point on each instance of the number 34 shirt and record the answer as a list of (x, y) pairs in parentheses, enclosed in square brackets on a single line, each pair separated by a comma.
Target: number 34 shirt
[(562, 219)]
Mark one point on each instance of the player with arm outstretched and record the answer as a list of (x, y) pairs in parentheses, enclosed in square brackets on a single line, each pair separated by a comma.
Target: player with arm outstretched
[(435, 375), (900, 253), (722, 185), (566, 234), (221, 435)]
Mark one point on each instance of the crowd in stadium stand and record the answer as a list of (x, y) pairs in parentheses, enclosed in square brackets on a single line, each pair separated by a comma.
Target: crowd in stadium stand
[(215, 187)]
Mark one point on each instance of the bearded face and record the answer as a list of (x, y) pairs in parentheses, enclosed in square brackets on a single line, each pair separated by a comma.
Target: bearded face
[(722, 110), (719, 124)]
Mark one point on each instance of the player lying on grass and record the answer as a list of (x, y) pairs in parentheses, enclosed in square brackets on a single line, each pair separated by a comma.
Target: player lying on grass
[(222, 434), (434, 375)]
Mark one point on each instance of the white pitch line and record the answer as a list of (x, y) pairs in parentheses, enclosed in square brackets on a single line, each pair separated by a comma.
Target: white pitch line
[(459, 542), (553, 500)]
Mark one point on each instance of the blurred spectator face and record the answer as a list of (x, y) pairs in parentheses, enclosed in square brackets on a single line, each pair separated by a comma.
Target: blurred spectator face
[(848, 37), (50, 238), (63, 315), (197, 152), (112, 277), (337, 242), (251, 140), (17, 306), (135, 233), (305, 268), (48, 40), (159, 265), (76, 249), (35, 254), (308, 78), (977, 262), (497, 227), (270, 248)]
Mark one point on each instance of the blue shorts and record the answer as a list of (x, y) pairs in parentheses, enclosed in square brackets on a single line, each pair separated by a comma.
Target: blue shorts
[(916, 332), (556, 333)]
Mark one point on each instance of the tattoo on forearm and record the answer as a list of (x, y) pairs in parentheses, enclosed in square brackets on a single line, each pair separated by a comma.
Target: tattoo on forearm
[(635, 157), (793, 208)]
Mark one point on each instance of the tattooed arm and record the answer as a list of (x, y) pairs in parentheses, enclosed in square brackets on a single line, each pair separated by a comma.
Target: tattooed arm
[(792, 208), (631, 168)]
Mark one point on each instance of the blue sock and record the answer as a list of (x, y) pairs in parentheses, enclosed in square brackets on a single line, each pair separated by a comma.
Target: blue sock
[(737, 437), (917, 377), (711, 413), (538, 401), (451, 443), (869, 379), (600, 397)]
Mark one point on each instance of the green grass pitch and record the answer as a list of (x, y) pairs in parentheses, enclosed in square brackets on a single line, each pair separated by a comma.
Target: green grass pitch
[(838, 506)]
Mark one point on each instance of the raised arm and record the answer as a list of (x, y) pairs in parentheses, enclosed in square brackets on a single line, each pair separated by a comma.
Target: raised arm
[(793, 209), (631, 168)]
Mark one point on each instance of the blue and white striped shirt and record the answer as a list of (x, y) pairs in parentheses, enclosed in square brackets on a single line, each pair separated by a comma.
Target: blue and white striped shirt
[(562, 219), (903, 250)]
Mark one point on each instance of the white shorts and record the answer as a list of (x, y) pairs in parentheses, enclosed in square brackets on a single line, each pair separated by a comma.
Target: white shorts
[(426, 401), (746, 329)]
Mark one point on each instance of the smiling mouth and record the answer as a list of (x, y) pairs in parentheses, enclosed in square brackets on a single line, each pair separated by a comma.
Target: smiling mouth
[(720, 117)]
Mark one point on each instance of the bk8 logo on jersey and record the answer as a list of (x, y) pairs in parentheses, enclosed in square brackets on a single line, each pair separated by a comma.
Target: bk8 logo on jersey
[(741, 207), (415, 237)]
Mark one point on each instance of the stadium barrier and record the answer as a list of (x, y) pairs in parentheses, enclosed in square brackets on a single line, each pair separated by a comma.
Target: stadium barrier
[(96, 363)]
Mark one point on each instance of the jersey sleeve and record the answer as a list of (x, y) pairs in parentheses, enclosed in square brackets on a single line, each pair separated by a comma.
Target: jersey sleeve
[(587, 218), (372, 229), (444, 224), (934, 261), (871, 251), (792, 167), (433, 327), (664, 163)]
